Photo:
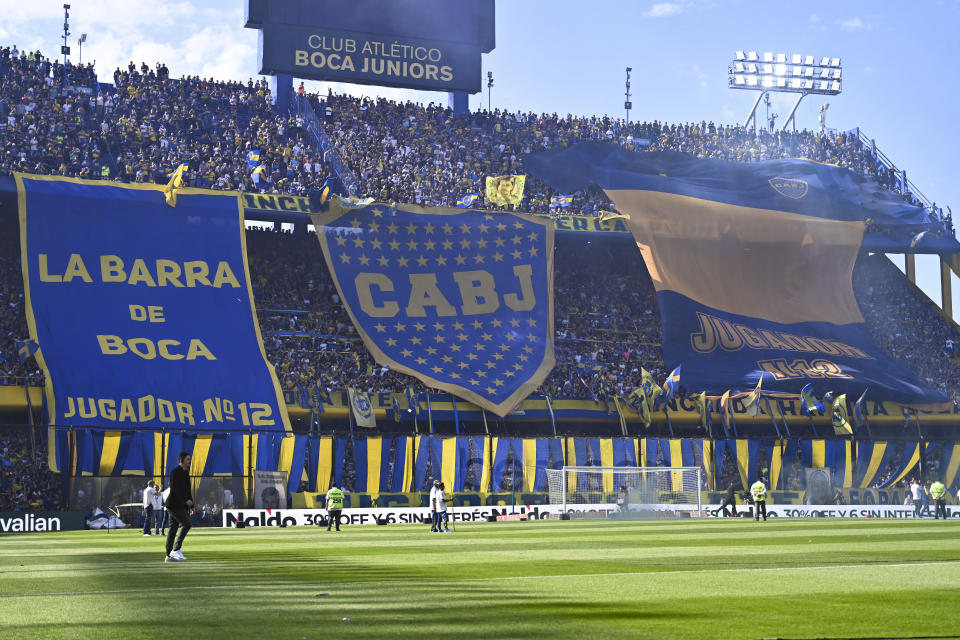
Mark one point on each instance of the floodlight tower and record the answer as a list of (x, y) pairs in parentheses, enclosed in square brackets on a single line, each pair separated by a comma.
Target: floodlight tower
[(627, 105), (65, 49), (780, 73)]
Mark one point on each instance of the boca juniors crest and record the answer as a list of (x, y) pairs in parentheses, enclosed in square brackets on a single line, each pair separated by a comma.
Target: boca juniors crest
[(462, 300)]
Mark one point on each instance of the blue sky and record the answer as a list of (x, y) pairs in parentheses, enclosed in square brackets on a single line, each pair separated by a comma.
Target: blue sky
[(899, 61)]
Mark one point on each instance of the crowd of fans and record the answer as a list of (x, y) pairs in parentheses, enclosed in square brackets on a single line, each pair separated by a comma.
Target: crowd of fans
[(59, 119), (26, 482)]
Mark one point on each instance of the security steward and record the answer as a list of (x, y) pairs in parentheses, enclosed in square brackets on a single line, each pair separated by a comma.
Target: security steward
[(939, 494), (334, 506), (759, 492)]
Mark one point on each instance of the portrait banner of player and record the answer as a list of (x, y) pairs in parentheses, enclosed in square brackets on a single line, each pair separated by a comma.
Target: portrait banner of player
[(461, 299), (270, 489)]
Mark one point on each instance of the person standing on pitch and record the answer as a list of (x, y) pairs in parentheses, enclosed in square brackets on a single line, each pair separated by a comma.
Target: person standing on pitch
[(334, 505), (916, 490), (180, 507), (443, 524), (939, 493), (156, 501), (434, 511), (148, 494), (729, 500), (759, 493)]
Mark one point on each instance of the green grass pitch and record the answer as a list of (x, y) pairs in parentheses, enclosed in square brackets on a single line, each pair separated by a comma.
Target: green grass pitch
[(578, 579)]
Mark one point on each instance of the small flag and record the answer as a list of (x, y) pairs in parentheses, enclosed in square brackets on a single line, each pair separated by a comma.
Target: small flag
[(671, 384), (752, 401), (651, 390), (841, 422), (725, 410), (561, 201), (612, 215), (860, 410), (176, 179), (917, 238), (253, 158), (362, 408), (704, 410), (467, 201), (809, 403), (26, 348)]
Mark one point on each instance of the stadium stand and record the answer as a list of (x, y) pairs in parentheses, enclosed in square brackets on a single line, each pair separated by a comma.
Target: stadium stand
[(62, 120)]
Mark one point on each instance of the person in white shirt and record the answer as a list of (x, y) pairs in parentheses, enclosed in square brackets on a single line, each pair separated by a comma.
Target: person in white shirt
[(148, 506), (916, 491), (434, 510), (442, 523), (156, 501)]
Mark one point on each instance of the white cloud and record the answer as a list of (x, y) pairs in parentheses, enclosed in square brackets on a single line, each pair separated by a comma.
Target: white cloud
[(663, 9), (852, 24), (814, 17)]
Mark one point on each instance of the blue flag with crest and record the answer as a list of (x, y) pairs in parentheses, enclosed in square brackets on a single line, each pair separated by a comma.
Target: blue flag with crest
[(462, 300)]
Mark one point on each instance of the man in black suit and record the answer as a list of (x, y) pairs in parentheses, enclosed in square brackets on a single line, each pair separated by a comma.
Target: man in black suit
[(180, 507)]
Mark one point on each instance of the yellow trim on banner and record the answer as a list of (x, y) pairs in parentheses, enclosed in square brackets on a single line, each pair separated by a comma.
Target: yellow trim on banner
[(743, 461), (819, 454), (285, 463), (374, 457), (706, 456), (676, 460), (324, 463), (108, 457), (848, 468), (408, 463), (529, 463), (914, 459), (876, 457), (201, 450), (486, 471), (606, 460), (642, 448), (158, 459), (571, 462), (448, 464), (776, 464)]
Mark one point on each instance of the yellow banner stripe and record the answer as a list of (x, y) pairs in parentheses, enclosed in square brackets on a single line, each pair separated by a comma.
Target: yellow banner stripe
[(606, 460), (776, 464), (676, 460), (529, 463), (848, 468), (819, 448), (159, 462), (952, 466), (707, 449), (201, 450), (324, 463), (286, 456), (487, 458), (108, 457), (448, 464), (743, 461), (374, 457), (879, 448), (910, 465)]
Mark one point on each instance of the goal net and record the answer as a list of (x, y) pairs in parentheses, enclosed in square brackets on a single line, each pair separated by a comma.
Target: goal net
[(643, 488)]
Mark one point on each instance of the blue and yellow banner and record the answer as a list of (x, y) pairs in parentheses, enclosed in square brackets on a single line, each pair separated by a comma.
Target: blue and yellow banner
[(462, 300), (752, 264), (144, 312)]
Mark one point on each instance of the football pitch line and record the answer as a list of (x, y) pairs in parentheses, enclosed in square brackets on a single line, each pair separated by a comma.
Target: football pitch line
[(565, 576)]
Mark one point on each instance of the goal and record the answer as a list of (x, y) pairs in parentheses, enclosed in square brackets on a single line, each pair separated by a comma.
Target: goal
[(647, 488)]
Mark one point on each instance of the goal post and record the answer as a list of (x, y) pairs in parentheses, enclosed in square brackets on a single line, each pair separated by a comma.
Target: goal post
[(647, 488)]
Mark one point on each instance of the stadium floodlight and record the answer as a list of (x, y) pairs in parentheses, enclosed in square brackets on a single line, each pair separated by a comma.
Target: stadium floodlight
[(794, 73)]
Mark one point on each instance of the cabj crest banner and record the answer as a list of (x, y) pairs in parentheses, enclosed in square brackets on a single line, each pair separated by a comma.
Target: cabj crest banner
[(752, 264), (462, 300), (143, 312)]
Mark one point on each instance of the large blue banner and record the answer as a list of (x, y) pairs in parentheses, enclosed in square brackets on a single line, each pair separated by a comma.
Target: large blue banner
[(753, 265), (461, 300), (143, 312)]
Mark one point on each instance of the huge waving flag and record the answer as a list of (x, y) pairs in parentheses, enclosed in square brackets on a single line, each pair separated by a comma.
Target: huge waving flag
[(752, 264), (461, 299)]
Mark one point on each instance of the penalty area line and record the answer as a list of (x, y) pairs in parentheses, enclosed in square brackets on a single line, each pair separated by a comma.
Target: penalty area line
[(562, 576)]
